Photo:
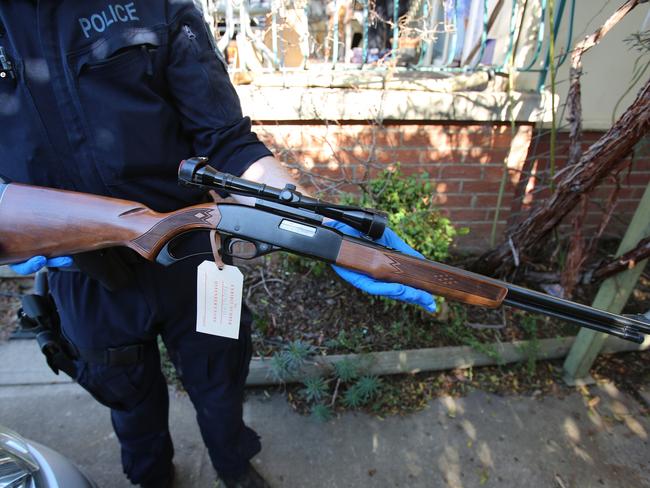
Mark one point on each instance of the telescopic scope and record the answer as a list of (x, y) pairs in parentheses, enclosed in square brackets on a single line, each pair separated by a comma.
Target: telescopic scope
[(198, 173)]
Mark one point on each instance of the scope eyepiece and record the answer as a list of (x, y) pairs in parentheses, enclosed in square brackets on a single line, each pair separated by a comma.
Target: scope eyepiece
[(188, 171)]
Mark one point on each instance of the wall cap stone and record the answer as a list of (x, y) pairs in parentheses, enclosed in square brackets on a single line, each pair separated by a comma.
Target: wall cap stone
[(309, 104)]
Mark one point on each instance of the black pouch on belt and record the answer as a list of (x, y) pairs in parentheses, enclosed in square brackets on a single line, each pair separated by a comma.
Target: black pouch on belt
[(39, 315)]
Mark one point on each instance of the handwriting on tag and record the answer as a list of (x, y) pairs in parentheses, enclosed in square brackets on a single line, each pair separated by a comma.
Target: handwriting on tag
[(219, 299)]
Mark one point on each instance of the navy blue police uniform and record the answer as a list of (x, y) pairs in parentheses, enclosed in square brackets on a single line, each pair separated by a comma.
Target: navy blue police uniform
[(108, 98)]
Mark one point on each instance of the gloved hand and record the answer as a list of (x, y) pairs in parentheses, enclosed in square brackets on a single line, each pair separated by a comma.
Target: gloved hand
[(32, 265), (370, 285)]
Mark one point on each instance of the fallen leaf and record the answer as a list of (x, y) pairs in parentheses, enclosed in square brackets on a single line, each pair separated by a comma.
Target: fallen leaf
[(485, 476), (593, 402)]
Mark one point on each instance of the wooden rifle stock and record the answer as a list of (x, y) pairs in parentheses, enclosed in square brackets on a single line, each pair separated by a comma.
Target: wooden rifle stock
[(43, 221), (436, 278), (49, 222)]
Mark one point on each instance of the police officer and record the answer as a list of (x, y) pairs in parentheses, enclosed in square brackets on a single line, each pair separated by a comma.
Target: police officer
[(108, 98)]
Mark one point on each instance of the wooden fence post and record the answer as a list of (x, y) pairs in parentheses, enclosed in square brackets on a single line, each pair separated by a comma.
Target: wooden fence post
[(612, 296)]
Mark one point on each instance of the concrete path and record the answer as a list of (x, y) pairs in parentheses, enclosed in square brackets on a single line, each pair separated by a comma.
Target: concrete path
[(481, 440)]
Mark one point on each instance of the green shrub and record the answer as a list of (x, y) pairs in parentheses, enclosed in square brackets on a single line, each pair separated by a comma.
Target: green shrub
[(408, 202), (531, 347), (321, 412), (346, 370), (315, 389), (290, 359), (353, 398), (368, 386)]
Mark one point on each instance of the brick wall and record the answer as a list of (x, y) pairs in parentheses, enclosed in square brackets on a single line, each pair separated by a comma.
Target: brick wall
[(465, 160)]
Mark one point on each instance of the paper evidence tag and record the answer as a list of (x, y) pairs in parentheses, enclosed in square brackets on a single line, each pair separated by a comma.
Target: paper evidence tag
[(219, 299)]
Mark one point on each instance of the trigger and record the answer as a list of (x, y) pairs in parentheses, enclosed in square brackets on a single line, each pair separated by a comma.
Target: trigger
[(242, 249)]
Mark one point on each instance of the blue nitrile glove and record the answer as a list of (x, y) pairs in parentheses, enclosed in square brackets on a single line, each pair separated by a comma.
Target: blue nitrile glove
[(370, 285), (32, 265)]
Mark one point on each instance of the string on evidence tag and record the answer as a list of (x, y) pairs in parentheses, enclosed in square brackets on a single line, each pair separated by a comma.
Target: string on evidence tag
[(219, 299)]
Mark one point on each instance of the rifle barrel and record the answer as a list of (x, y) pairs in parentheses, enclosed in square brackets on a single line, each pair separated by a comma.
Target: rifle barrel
[(577, 313)]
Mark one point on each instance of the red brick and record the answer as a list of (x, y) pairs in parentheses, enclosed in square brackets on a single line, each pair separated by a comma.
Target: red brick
[(440, 154), (493, 173), (591, 136), (423, 172), (490, 201), (419, 136), (388, 137), (467, 215), (471, 243), (443, 187), (480, 186), (626, 206), (432, 169), (637, 179), (634, 193), (406, 156), (463, 172), (334, 171), (453, 200), (480, 230)]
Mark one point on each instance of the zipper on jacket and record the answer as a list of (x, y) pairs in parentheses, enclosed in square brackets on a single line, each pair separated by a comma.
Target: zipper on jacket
[(189, 33), (6, 67)]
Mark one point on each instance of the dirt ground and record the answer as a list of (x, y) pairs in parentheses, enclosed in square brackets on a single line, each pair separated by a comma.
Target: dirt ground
[(292, 301), (296, 299)]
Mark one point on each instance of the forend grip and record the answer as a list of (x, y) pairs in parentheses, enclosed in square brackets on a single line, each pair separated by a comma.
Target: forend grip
[(436, 278), (44, 221)]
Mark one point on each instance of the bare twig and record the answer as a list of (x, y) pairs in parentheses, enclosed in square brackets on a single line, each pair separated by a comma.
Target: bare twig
[(627, 261), (266, 288), (574, 96), (515, 254), (336, 391)]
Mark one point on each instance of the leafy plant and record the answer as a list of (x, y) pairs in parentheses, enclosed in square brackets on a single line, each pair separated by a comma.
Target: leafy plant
[(315, 389), (353, 398), (321, 412), (296, 352), (531, 347), (352, 340), (346, 370), (291, 359), (279, 368), (457, 329), (408, 202), (368, 386)]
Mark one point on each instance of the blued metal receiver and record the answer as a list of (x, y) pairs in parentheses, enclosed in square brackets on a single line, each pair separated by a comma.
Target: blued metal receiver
[(197, 172)]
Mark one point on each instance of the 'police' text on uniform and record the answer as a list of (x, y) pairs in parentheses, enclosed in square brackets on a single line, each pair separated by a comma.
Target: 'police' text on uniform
[(101, 21)]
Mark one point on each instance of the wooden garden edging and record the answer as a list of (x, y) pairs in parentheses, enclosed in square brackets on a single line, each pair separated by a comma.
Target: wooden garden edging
[(432, 359)]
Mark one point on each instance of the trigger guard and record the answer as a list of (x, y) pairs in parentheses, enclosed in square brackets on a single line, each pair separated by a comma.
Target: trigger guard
[(165, 257)]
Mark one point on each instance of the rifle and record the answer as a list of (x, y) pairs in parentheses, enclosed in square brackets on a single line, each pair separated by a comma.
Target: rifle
[(49, 222)]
